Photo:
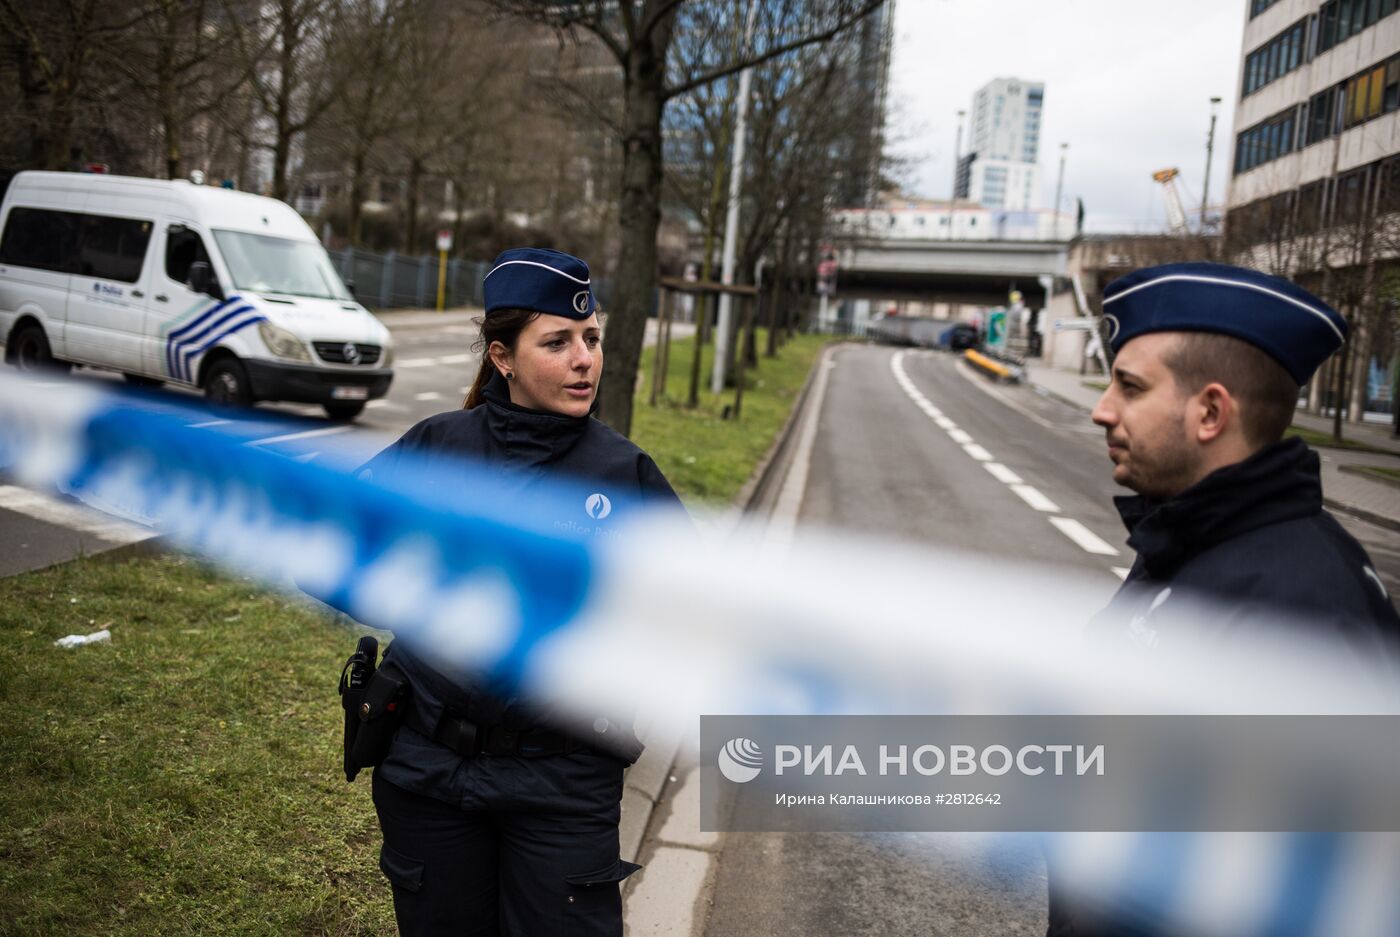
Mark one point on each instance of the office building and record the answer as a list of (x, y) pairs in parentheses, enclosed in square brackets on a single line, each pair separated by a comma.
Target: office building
[(1315, 182), (1000, 169)]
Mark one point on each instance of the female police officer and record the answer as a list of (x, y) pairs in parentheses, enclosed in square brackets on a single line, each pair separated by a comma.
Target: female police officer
[(494, 821)]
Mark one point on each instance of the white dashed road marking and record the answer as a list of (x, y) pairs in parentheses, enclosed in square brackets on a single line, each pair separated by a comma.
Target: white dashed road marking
[(416, 363), (308, 434), (428, 395), (1083, 537), (1086, 538), (1035, 499), (1002, 474), (1121, 572), (456, 359)]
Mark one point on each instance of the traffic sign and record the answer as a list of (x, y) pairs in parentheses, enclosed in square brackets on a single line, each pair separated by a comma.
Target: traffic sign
[(444, 240), (996, 328)]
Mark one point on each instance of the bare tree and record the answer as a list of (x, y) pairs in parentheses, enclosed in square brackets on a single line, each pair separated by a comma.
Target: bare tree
[(639, 35), (292, 78), (52, 46)]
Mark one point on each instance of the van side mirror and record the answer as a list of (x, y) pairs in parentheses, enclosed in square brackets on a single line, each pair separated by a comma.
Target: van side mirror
[(202, 279), (350, 286)]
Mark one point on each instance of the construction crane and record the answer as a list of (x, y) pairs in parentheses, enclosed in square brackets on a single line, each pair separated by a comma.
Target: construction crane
[(1176, 214)]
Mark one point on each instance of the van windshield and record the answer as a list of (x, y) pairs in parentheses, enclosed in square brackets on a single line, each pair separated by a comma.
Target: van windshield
[(262, 264)]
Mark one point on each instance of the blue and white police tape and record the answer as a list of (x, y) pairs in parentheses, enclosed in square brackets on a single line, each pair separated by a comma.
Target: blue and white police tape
[(647, 615)]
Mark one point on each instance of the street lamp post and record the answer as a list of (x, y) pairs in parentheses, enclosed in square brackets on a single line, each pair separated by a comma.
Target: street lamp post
[(1210, 151), (1059, 190), (731, 220), (953, 197)]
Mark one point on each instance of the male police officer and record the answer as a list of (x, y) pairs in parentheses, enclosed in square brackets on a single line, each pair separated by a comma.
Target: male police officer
[(1208, 363)]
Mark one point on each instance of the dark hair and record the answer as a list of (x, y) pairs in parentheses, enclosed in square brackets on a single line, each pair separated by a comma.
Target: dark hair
[(1266, 391), (504, 326)]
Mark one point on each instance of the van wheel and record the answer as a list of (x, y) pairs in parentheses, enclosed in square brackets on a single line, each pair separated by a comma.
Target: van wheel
[(226, 384), (344, 410), (140, 380), (29, 350)]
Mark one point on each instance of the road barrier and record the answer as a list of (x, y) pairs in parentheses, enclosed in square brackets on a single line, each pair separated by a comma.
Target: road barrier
[(990, 366), (592, 616)]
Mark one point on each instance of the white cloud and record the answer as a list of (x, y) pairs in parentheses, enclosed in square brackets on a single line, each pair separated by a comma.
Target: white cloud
[(1127, 84)]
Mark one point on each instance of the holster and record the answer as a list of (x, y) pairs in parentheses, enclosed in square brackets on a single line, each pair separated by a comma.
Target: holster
[(374, 709)]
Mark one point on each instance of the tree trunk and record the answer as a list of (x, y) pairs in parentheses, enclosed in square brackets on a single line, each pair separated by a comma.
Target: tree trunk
[(1339, 387), (415, 180), (639, 216), (355, 210), (282, 146), (167, 97)]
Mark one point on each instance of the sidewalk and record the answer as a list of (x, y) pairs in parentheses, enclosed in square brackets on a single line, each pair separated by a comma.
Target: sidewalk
[(1353, 494)]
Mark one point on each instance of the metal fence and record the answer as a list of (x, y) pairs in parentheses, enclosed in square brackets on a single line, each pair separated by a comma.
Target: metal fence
[(406, 281), (397, 281)]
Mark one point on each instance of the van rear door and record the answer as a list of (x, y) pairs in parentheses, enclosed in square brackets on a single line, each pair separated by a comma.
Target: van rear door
[(107, 302)]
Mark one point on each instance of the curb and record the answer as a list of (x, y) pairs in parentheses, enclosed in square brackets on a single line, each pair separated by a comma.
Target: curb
[(1060, 398), (1370, 517), (1359, 469), (643, 782), (759, 482)]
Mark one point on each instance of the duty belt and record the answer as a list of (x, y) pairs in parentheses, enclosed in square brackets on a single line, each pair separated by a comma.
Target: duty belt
[(467, 738)]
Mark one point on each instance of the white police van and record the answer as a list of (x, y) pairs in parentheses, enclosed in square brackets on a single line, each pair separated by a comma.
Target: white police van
[(167, 281)]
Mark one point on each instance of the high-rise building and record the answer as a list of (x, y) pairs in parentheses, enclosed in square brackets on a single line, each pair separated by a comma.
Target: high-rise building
[(1001, 168), (869, 80), (1315, 183)]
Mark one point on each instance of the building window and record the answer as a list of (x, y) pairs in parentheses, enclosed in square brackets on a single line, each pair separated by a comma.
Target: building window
[(1259, 6), (1339, 20), (1267, 141), (1276, 58), (1361, 98), (1322, 116)]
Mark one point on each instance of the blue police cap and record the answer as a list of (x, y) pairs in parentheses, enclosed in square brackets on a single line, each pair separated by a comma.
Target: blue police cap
[(541, 280), (1285, 321)]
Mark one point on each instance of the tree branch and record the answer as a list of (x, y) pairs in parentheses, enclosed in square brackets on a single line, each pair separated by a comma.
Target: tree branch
[(657, 15), (724, 70)]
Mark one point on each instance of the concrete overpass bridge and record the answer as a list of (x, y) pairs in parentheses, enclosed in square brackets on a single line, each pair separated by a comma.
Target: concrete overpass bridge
[(965, 272)]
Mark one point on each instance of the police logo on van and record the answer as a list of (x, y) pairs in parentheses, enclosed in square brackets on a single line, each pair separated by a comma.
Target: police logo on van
[(597, 506)]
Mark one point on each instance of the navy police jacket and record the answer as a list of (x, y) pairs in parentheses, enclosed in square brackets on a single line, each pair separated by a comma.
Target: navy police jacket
[(527, 447), (1253, 536)]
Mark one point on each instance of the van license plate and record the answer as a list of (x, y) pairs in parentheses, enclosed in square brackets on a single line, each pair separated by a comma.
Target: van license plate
[(350, 393)]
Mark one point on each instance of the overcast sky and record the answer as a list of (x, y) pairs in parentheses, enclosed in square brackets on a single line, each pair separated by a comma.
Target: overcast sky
[(1127, 84)]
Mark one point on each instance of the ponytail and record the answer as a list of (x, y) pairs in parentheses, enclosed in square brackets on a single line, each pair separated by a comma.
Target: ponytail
[(504, 326)]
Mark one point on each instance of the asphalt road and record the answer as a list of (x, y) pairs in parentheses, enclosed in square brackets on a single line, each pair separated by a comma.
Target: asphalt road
[(882, 463)]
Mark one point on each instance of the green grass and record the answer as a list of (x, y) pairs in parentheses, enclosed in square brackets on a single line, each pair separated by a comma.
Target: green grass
[(1324, 440), (185, 778), (1095, 385), (707, 459)]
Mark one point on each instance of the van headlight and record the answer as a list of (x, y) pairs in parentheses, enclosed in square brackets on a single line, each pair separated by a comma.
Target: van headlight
[(282, 343)]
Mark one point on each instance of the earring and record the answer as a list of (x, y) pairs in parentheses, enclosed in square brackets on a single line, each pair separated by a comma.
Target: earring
[(510, 375)]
